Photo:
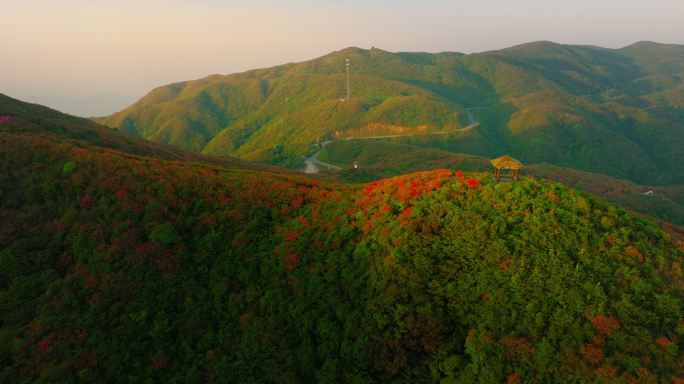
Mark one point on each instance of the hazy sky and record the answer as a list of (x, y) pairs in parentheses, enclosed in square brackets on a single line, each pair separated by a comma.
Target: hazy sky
[(93, 57)]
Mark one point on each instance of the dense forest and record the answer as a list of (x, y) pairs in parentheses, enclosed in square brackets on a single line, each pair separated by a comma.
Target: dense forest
[(125, 261)]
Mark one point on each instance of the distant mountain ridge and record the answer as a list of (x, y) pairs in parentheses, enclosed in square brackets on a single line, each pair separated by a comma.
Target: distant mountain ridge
[(619, 112)]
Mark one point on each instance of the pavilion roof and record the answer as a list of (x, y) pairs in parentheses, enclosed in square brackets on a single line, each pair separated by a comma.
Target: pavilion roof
[(506, 162)]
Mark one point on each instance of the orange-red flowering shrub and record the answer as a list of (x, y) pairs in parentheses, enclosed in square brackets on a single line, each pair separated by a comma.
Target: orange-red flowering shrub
[(605, 325)]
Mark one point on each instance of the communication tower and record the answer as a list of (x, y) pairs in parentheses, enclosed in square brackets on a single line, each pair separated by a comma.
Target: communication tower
[(348, 89)]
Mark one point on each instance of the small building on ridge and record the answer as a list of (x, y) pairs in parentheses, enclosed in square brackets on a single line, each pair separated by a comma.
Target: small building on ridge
[(509, 163)]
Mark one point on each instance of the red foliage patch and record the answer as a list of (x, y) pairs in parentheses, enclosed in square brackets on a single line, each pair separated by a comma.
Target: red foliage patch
[(79, 152), (598, 340), (403, 188), (407, 211), (86, 202), (485, 297), (605, 325), (292, 236), (633, 252), (304, 221), (386, 208), (292, 260), (121, 194), (90, 281), (295, 203), (472, 183), (591, 353), (663, 342), (367, 226), (513, 378), (209, 220), (44, 344)]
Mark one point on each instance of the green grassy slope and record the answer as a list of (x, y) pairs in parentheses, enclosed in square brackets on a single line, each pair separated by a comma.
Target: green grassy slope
[(666, 202), (378, 159), (616, 112), (125, 268)]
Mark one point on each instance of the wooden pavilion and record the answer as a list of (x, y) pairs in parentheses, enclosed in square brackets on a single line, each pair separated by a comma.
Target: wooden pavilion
[(506, 162)]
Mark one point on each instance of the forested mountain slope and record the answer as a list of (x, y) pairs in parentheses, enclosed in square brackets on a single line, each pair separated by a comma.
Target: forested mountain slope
[(33, 121), (616, 112), (117, 267)]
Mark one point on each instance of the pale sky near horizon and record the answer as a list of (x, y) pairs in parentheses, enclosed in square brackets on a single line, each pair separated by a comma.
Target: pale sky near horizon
[(94, 57)]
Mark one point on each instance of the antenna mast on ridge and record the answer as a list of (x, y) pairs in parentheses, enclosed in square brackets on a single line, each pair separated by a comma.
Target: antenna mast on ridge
[(348, 89)]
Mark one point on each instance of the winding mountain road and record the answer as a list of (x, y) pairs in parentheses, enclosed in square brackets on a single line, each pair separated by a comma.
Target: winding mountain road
[(472, 121), (311, 163)]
